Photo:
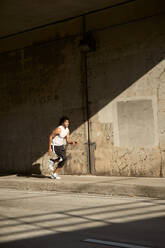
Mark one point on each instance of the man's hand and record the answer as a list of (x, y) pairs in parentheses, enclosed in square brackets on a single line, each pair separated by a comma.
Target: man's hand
[(74, 142)]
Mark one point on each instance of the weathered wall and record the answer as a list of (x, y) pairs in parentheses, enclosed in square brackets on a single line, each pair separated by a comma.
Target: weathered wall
[(38, 85), (42, 78), (126, 77)]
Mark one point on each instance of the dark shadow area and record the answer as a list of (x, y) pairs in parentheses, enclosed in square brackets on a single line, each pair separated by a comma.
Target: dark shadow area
[(6, 174), (37, 175), (36, 169), (44, 82)]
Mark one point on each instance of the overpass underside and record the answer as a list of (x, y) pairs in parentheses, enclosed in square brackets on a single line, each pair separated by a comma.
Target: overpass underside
[(104, 67)]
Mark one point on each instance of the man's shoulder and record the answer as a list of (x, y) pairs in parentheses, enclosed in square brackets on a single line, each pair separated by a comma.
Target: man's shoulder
[(57, 129)]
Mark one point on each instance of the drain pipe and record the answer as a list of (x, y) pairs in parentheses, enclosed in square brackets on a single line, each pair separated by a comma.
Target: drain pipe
[(84, 49)]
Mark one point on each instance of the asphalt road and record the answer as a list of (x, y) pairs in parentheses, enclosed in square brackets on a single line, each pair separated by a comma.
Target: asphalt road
[(51, 219)]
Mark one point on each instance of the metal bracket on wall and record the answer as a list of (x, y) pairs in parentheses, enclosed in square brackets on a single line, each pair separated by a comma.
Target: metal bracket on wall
[(92, 146), (92, 156), (88, 43)]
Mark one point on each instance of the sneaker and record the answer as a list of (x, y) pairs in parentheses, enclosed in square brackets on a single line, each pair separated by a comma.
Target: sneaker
[(56, 176), (52, 176)]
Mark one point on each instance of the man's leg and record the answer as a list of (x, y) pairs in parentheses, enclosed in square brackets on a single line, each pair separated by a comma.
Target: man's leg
[(52, 161), (61, 153)]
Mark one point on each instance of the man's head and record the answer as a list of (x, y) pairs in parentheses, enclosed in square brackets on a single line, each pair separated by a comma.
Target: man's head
[(64, 121)]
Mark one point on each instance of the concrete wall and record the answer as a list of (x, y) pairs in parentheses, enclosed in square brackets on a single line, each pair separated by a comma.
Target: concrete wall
[(39, 84), (126, 78), (42, 78)]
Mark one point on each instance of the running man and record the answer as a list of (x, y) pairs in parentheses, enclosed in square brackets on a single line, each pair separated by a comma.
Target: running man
[(56, 144)]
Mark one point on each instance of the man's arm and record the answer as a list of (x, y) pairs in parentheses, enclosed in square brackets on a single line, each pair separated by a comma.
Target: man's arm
[(69, 141), (53, 134)]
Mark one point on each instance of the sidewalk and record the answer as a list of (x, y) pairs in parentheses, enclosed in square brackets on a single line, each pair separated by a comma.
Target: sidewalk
[(123, 186)]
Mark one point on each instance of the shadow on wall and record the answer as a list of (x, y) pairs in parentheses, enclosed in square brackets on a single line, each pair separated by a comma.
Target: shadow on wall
[(41, 83), (69, 228)]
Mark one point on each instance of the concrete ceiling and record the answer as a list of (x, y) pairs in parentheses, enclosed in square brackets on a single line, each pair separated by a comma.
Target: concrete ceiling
[(21, 15)]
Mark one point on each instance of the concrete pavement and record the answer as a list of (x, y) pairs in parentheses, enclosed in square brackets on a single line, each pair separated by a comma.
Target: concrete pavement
[(124, 186), (52, 219)]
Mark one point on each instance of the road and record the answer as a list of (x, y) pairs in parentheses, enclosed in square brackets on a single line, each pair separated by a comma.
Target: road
[(51, 219)]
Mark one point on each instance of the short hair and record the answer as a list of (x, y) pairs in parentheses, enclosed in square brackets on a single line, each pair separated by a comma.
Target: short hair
[(63, 119)]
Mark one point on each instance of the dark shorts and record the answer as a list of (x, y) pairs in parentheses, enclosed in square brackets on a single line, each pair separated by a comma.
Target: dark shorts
[(61, 154)]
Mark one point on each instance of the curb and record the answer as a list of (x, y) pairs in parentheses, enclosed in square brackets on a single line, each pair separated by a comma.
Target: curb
[(100, 188)]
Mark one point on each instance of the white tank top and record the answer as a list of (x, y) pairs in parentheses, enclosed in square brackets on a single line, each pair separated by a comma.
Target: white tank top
[(58, 140)]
